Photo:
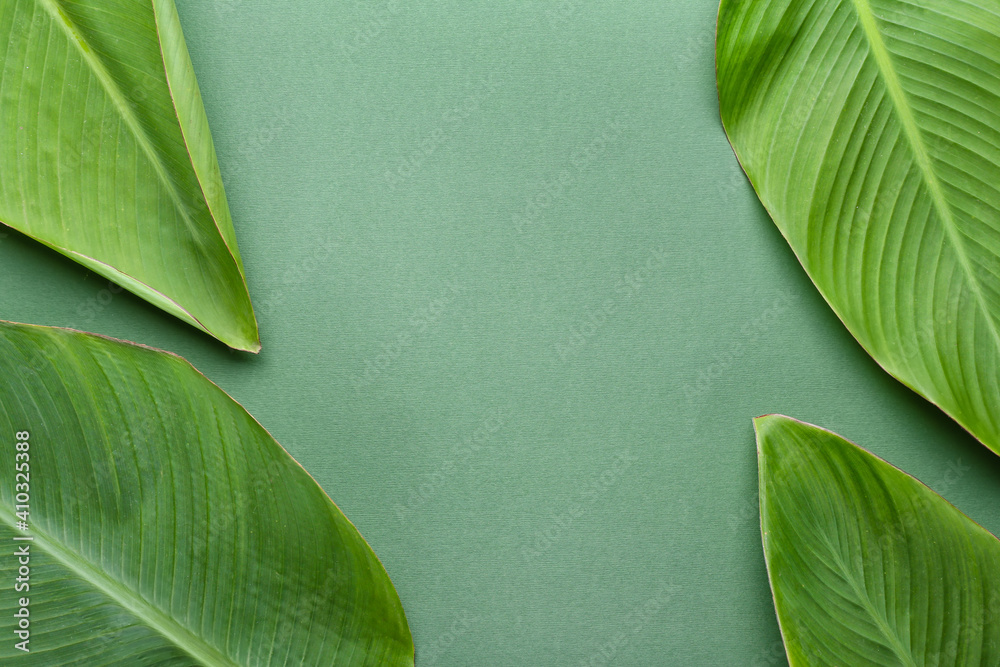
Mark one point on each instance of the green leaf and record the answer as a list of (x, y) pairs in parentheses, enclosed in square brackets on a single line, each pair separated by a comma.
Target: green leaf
[(867, 565), (106, 156), (870, 129), (169, 528)]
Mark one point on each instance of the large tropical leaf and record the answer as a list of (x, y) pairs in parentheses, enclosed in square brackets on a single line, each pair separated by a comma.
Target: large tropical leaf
[(867, 565), (106, 156), (870, 129), (167, 526)]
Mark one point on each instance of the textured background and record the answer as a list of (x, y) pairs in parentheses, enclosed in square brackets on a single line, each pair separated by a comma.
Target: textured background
[(518, 307)]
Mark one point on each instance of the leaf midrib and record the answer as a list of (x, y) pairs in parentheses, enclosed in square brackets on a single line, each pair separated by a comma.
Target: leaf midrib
[(150, 615), (100, 72), (866, 17), (895, 642)]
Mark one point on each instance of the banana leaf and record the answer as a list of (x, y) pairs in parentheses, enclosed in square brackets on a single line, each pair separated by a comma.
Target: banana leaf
[(867, 565), (165, 526), (870, 130), (106, 156)]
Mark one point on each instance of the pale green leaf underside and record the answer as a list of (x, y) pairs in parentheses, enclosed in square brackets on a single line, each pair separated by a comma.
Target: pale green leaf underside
[(106, 156), (170, 528), (867, 565), (870, 129)]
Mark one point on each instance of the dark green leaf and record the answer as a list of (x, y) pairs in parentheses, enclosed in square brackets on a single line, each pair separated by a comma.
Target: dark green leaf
[(867, 565), (169, 528)]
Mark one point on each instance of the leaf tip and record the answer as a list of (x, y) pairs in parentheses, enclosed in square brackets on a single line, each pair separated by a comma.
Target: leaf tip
[(765, 427), (765, 422), (243, 342), (252, 348)]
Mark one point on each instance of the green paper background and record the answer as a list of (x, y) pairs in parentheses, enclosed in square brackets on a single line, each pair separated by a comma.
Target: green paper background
[(572, 296)]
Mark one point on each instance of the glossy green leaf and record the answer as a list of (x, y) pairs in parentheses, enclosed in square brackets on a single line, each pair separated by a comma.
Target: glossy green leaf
[(870, 129), (867, 565), (106, 156), (169, 528)]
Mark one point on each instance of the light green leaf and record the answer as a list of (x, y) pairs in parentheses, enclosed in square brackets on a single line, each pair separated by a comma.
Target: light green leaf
[(106, 156), (867, 565), (169, 528), (870, 129)]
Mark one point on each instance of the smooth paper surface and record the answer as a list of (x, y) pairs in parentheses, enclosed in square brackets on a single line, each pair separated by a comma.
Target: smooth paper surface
[(518, 306)]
